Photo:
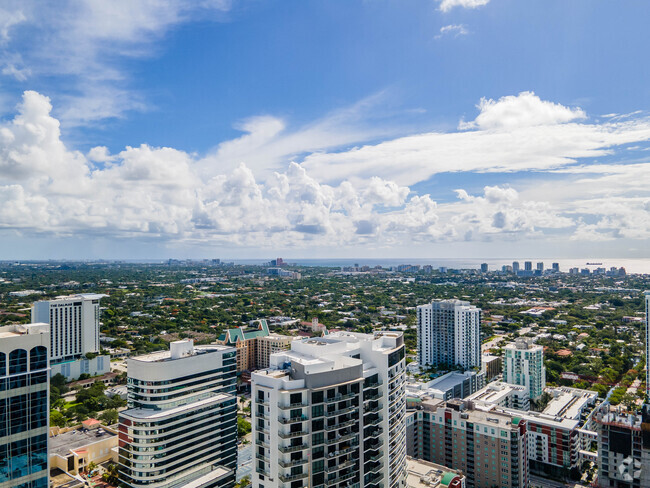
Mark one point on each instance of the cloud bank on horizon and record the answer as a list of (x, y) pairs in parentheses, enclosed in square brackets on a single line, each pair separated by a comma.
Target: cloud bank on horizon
[(350, 197), (549, 172)]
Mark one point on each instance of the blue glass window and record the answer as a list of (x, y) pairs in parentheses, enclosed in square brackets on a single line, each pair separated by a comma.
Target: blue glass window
[(18, 361), (38, 358)]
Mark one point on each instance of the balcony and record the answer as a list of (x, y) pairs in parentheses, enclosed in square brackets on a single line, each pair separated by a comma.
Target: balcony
[(375, 469), (293, 405), (341, 411), (341, 438), (372, 409), (342, 452), (340, 398), (374, 434), (343, 425), (341, 466), (288, 449), (377, 396), (292, 477), (291, 435), (374, 445), (290, 464), (293, 420), (340, 479)]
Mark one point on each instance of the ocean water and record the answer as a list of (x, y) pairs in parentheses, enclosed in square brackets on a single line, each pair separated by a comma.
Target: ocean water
[(640, 266)]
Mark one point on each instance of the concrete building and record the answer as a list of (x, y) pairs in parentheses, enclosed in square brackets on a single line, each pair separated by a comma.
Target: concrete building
[(74, 325), (72, 369), (492, 365), (423, 474), (73, 451), (331, 412), (270, 344), (449, 333), (503, 395), (446, 387), (623, 449), (181, 426), (523, 364), (254, 344), (490, 448), (24, 405), (558, 437), (515, 267), (484, 267), (528, 265)]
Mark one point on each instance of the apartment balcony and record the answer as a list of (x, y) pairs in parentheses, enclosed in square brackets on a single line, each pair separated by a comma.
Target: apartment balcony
[(375, 469), (262, 472), (289, 449), (343, 452), (372, 385), (376, 396), (372, 409), (341, 479), (292, 477), (341, 466), (343, 425), (291, 435), (291, 464), (341, 411), (374, 445), (293, 420), (293, 405), (376, 457), (374, 434), (340, 398), (341, 438), (375, 421)]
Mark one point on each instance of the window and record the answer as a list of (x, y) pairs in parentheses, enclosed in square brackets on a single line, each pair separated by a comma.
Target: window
[(18, 361)]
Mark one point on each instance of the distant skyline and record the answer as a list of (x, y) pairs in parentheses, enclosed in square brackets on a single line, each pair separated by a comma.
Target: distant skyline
[(249, 129)]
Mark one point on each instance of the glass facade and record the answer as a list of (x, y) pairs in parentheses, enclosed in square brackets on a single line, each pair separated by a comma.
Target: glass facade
[(23, 418)]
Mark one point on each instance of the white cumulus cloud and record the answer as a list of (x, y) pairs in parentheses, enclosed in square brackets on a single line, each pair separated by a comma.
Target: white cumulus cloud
[(447, 5)]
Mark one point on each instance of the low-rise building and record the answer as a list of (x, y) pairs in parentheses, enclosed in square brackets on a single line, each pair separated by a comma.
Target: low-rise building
[(492, 365), (424, 474), (73, 451), (446, 387), (503, 395)]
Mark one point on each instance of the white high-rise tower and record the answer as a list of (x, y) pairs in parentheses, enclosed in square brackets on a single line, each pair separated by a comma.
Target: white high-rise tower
[(449, 333), (74, 324)]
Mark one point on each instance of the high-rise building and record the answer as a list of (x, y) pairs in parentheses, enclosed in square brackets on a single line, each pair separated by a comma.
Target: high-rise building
[(74, 325), (180, 429), (484, 267), (515, 266), (647, 344), (331, 412), (623, 448), (489, 447), (528, 265), (555, 267), (540, 267), (449, 333), (523, 364), (24, 406)]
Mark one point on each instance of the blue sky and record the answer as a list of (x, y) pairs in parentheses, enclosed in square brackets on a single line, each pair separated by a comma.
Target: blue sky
[(454, 128)]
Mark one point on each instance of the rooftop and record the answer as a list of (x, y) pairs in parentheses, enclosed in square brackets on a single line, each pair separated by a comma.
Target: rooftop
[(421, 474), (62, 444), (23, 329)]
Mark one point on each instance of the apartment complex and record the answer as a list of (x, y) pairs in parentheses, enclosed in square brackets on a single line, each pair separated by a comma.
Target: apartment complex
[(24, 406), (330, 412), (623, 448), (647, 343), (489, 447), (523, 364), (254, 344), (181, 426), (74, 325), (449, 333)]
